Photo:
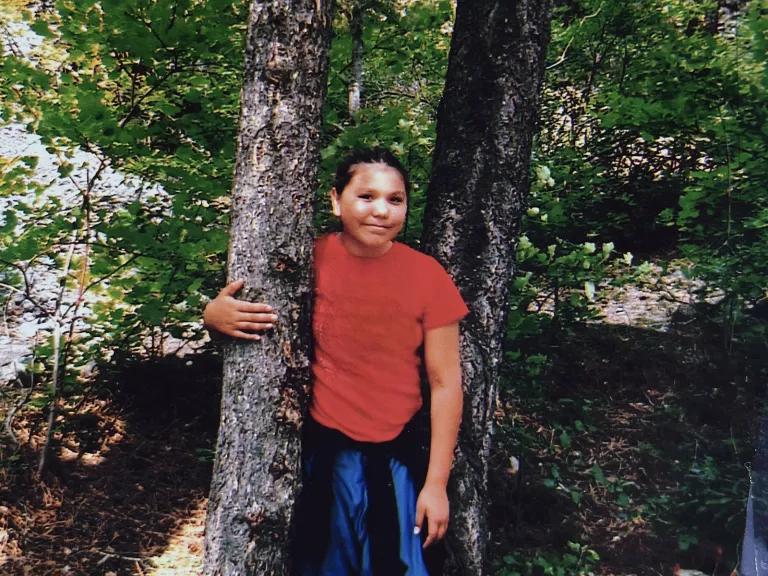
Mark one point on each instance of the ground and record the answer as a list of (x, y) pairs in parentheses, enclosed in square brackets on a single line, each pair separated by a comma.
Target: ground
[(621, 450), (134, 501)]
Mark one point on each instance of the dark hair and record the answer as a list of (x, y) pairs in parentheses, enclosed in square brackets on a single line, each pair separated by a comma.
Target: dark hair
[(345, 169)]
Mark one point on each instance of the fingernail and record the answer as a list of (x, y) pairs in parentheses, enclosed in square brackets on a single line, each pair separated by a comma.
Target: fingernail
[(416, 530)]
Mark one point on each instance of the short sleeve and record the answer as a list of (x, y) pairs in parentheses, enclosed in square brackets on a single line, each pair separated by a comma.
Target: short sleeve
[(444, 304)]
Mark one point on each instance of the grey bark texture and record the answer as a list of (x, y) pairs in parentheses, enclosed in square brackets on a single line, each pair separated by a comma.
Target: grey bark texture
[(486, 122), (256, 471), (356, 82)]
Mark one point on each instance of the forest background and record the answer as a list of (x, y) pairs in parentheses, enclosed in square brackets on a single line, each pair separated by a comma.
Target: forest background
[(621, 446)]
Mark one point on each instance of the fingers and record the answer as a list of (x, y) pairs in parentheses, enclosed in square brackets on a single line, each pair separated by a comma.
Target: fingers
[(254, 326), (437, 526), (420, 511), (258, 316), (232, 288), (441, 530), (245, 335), (242, 306), (237, 318), (255, 308), (437, 532), (432, 536)]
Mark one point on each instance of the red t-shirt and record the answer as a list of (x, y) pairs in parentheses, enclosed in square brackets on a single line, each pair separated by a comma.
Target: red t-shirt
[(369, 321)]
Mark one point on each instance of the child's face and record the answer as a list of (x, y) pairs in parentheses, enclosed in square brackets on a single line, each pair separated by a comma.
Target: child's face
[(372, 208)]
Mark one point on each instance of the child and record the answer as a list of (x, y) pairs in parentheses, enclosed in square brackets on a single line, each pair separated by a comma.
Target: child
[(381, 310)]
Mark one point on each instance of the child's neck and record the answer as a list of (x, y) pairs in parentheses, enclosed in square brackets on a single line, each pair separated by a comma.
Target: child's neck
[(361, 250)]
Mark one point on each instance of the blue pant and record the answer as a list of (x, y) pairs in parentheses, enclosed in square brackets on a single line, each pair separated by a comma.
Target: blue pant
[(348, 552)]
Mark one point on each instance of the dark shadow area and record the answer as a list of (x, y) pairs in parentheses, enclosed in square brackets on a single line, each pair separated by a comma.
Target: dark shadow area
[(633, 444), (131, 466)]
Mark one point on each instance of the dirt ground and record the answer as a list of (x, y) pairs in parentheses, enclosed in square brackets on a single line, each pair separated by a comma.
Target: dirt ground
[(127, 491)]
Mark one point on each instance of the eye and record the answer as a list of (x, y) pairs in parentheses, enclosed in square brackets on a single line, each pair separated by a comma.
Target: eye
[(397, 200), (364, 196)]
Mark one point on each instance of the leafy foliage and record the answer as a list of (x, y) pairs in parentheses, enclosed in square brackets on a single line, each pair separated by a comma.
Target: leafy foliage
[(579, 560), (653, 126), (652, 119), (405, 57), (148, 88)]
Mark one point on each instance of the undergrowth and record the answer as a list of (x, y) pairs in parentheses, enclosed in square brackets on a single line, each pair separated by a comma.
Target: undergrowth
[(625, 448)]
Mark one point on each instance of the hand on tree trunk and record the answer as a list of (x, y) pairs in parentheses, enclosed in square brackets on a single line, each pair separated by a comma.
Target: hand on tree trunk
[(229, 316)]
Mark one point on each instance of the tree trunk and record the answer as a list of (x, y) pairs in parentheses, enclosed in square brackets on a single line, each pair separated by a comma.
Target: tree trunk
[(256, 472), (726, 16), (356, 82), (486, 122)]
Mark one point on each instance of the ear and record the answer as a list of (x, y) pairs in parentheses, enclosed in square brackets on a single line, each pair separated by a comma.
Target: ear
[(335, 207)]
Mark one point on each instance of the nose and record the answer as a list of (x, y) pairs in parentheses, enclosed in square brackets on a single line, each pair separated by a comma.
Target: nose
[(380, 208)]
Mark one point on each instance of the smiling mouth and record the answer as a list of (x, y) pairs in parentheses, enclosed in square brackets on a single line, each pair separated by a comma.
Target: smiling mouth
[(378, 226)]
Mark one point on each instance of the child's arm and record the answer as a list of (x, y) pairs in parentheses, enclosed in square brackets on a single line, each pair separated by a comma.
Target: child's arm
[(441, 358), (237, 318)]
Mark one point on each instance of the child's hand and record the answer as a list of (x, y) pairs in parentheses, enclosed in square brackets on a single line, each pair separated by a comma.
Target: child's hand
[(237, 318), (432, 504)]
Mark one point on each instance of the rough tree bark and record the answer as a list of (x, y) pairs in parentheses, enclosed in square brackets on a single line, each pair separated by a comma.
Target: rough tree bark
[(486, 122), (265, 383), (356, 82)]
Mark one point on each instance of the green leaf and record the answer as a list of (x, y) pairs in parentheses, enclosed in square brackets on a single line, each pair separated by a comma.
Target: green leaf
[(685, 541), (598, 475), (65, 169), (10, 221), (575, 497), (41, 28), (589, 290), (153, 312)]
